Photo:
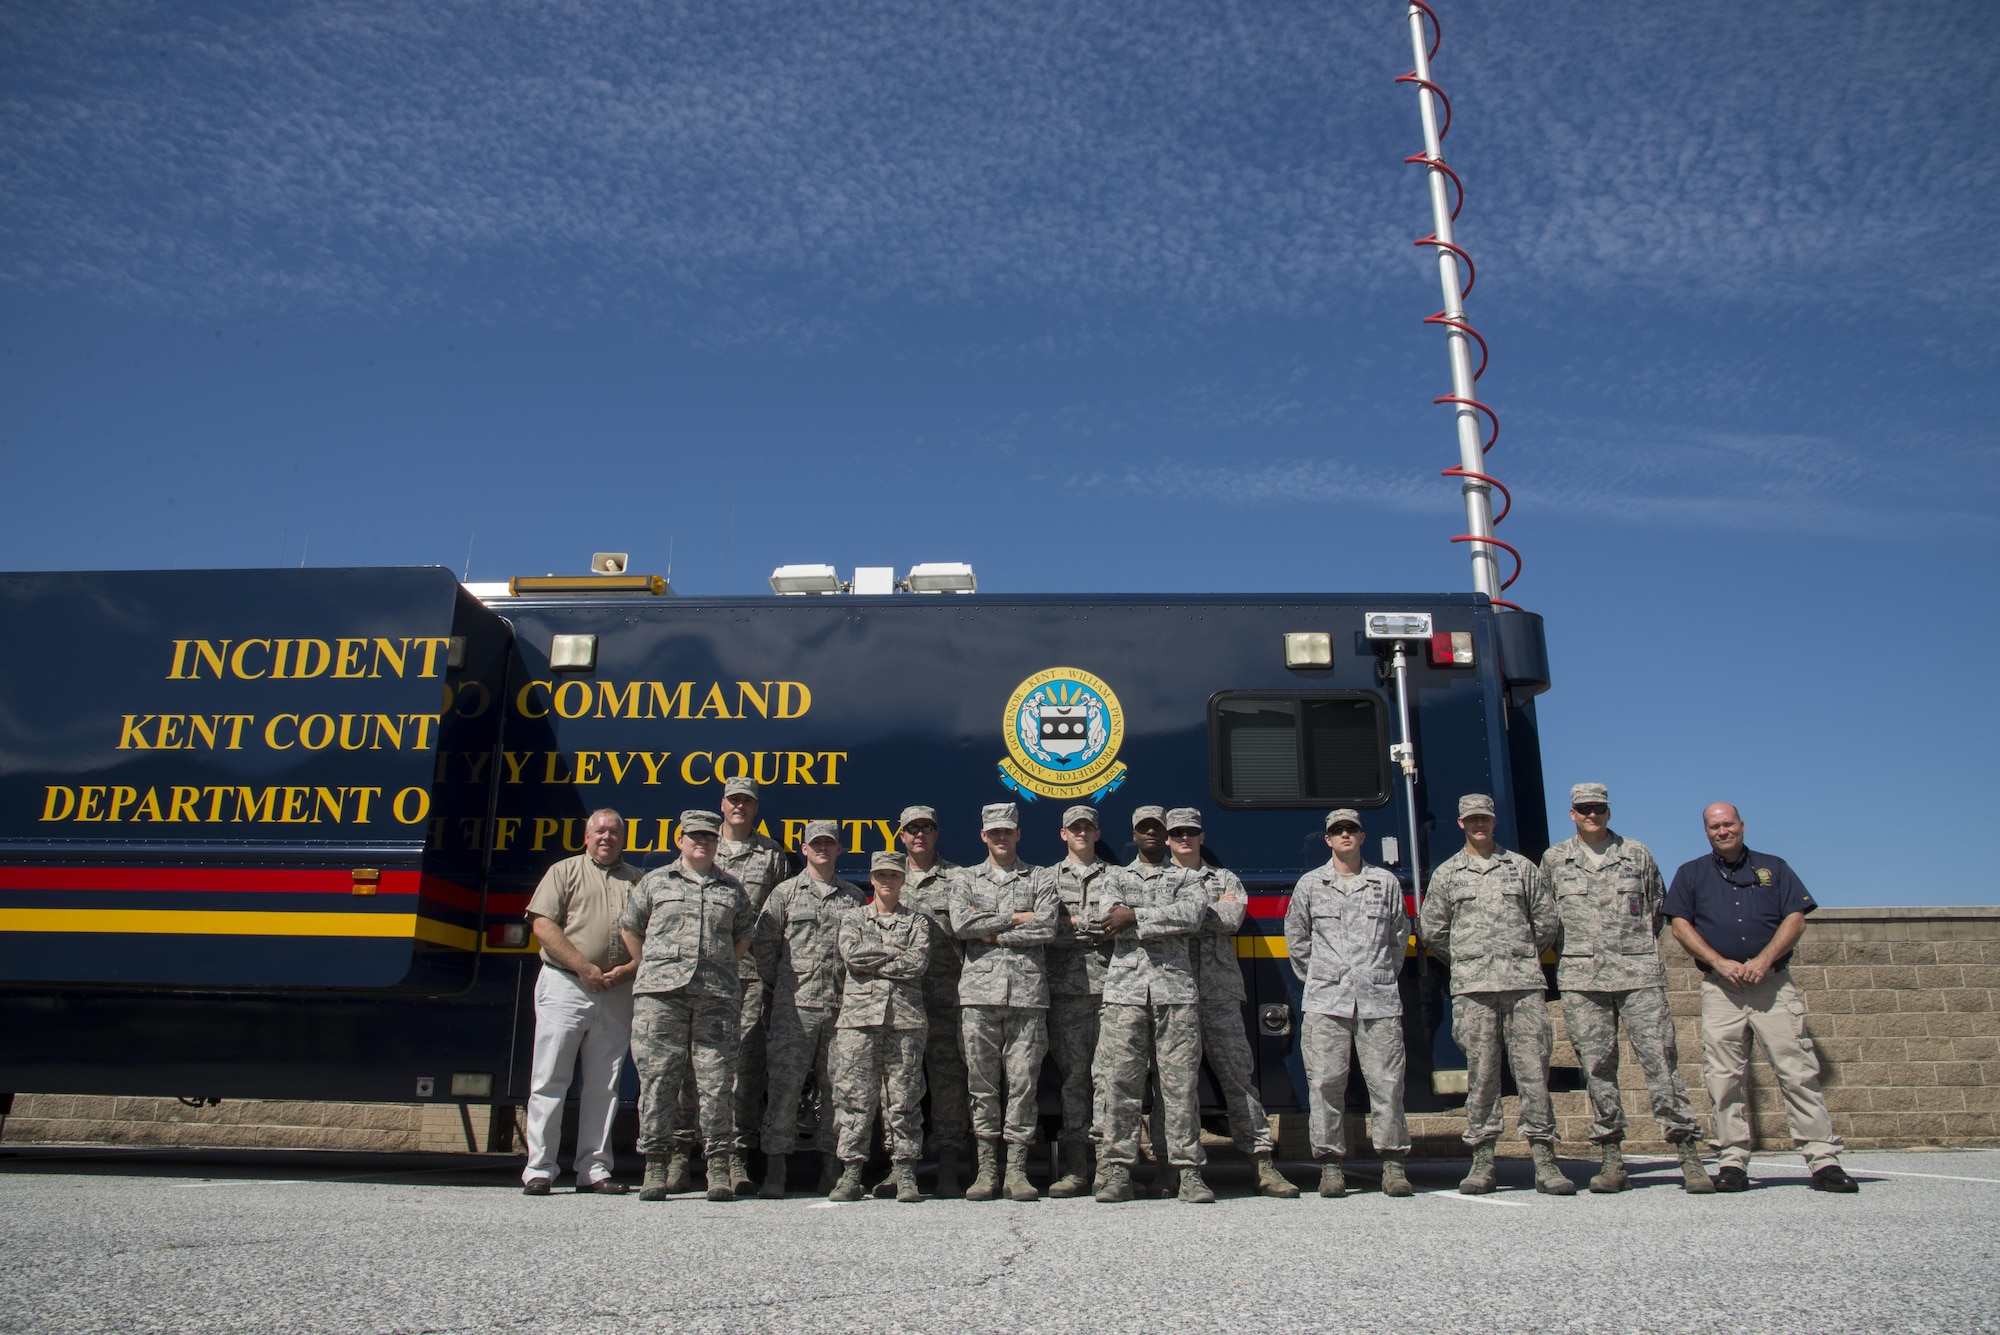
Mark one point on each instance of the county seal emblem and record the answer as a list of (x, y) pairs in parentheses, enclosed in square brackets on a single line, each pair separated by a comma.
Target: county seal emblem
[(1063, 728)]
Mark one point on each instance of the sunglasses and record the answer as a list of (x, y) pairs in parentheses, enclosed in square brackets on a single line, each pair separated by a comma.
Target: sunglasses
[(1345, 829), (1183, 834), (1591, 809), (923, 827)]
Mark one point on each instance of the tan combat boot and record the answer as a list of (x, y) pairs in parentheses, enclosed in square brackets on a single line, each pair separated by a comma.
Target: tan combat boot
[(1611, 1177), (1116, 1187), (718, 1178), (1017, 1186), (1694, 1174), (848, 1188), (1332, 1181), (774, 1178), (947, 1178), (987, 1184), (1549, 1179), (904, 1173), (1076, 1177), (654, 1185), (1270, 1182), (1482, 1179), (1193, 1190), (679, 1176), (1395, 1182), (739, 1173)]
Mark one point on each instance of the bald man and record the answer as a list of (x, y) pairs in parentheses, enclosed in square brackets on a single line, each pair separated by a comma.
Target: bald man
[(1739, 913)]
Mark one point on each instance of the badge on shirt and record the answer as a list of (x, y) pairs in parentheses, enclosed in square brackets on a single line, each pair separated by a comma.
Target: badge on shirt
[(1635, 906), (1763, 876)]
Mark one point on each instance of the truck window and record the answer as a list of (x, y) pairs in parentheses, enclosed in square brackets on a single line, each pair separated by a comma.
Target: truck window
[(1283, 750)]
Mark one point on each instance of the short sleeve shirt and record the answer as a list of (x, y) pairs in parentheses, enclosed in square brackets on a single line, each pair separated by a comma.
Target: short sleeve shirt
[(586, 901), (1738, 907)]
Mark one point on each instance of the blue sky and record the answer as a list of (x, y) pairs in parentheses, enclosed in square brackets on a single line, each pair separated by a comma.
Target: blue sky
[(382, 283)]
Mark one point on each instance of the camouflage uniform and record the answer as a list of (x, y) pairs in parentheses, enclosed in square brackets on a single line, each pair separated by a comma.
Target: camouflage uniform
[(1225, 1043), (1075, 963), (1490, 919), (928, 892), (685, 999), (1003, 991), (1610, 972), (1346, 937), (878, 1045), (759, 863), (1151, 1016), (797, 948)]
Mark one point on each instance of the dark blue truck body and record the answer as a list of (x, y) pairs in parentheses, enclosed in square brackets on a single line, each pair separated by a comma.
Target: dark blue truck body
[(270, 833)]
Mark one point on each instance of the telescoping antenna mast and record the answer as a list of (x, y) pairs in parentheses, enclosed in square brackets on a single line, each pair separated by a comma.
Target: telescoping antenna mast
[(1426, 34), (1473, 419)]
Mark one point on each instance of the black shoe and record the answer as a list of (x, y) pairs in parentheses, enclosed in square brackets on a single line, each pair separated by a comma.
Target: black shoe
[(1834, 1178), (536, 1186), (604, 1186), (1731, 1178)]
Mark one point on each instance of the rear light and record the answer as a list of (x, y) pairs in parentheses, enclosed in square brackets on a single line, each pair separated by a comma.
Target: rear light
[(507, 935), (1452, 648)]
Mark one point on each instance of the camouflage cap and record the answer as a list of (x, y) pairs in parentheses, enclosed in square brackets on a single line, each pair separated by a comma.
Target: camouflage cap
[(913, 814), (743, 784), (894, 862), (1589, 792), (1475, 804), (820, 829), (999, 816), (1343, 816), (1183, 818), (1077, 813), (700, 822), (1140, 815)]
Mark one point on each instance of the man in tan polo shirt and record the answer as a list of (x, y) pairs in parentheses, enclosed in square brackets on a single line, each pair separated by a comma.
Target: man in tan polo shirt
[(583, 1005)]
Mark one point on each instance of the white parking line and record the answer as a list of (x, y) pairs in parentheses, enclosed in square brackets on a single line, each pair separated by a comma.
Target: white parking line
[(256, 1182), (1895, 1172), (1452, 1194)]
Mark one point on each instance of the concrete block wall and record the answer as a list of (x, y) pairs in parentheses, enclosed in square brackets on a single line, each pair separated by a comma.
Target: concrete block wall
[(1903, 1005)]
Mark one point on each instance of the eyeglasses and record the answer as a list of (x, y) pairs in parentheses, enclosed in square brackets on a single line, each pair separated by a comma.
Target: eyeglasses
[(700, 836), (923, 827), (1591, 809), (1183, 834)]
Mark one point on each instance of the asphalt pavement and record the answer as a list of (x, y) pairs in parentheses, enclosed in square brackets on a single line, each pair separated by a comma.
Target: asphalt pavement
[(266, 1242)]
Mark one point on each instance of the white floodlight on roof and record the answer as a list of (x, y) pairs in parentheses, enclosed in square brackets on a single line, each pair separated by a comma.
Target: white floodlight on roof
[(941, 577), (796, 580)]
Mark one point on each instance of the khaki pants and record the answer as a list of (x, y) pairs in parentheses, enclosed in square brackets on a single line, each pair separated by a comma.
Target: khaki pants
[(1775, 1014)]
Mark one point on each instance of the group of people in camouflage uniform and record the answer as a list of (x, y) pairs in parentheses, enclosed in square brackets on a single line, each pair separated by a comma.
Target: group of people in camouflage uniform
[(754, 980)]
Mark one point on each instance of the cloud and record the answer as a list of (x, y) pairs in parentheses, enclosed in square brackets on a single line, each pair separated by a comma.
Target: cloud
[(781, 170)]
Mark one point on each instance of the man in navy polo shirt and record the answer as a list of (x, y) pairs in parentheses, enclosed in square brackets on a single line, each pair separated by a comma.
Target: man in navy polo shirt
[(1739, 913)]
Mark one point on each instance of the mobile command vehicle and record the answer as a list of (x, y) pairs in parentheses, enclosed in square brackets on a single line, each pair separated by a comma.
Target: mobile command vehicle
[(270, 834)]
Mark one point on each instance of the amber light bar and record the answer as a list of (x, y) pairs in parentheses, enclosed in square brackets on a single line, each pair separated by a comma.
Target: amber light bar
[(653, 584)]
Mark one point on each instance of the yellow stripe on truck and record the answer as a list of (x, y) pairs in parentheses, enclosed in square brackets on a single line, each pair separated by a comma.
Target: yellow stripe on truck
[(1273, 948), (224, 922)]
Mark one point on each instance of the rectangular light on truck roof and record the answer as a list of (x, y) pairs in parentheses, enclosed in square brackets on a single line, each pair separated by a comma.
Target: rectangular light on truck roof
[(941, 577), (803, 579), (1398, 625)]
